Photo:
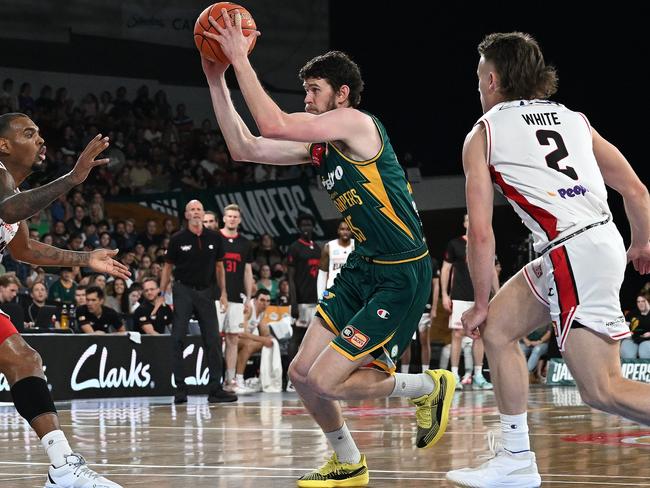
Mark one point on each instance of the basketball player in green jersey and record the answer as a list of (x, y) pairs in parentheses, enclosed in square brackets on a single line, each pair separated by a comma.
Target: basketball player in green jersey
[(370, 313)]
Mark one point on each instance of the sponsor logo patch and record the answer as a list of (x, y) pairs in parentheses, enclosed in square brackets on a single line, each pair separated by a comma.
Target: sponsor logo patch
[(615, 322), (186, 248), (354, 336), (537, 270), (572, 191), (328, 294), (383, 314)]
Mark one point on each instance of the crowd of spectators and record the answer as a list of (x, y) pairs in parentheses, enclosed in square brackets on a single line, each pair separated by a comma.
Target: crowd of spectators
[(154, 148)]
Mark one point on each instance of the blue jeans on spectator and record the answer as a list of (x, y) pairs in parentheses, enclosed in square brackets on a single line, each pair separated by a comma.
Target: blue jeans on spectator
[(631, 350), (533, 353)]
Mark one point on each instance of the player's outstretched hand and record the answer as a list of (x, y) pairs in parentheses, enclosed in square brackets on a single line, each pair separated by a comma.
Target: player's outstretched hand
[(640, 258), (101, 260), (87, 160)]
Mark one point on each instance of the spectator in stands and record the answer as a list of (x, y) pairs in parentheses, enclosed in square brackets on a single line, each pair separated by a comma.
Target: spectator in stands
[(149, 236), (96, 213), (92, 238), (162, 108), (534, 347), (59, 235), (267, 283), (63, 290), (135, 294), (80, 296), (182, 121), (106, 241), (169, 229), (143, 320), (25, 100), (140, 175), (35, 275), (266, 253), (144, 268), (254, 337), (116, 296), (639, 344), (98, 280), (7, 96), (283, 293), (36, 301), (78, 220), (76, 242), (95, 318), (61, 209), (9, 286)]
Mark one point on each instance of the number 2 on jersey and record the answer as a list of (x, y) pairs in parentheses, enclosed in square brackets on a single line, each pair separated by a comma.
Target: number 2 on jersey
[(554, 157)]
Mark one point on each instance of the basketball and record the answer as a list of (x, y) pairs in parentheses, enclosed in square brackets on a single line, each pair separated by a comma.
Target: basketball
[(209, 48)]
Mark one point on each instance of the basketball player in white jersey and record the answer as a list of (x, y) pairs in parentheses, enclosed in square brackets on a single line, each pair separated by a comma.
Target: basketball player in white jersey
[(22, 150), (334, 255), (552, 166), (254, 335)]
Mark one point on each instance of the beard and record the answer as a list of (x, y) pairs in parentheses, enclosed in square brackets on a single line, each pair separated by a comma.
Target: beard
[(37, 166)]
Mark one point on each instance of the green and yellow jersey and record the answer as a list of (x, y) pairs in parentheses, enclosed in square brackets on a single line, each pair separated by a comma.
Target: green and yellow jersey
[(374, 199)]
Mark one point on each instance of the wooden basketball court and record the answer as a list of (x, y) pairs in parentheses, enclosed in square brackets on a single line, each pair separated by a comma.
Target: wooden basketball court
[(268, 440)]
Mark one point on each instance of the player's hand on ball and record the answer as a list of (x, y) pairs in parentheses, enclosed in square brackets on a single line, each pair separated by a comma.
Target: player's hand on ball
[(213, 69), (231, 37)]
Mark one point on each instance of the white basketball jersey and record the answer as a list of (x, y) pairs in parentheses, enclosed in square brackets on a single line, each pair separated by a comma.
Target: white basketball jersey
[(338, 257), (541, 158), (7, 231), (254, 321)]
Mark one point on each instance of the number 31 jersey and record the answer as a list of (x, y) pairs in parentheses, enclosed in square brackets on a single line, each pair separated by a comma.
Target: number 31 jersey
[(541, 158)]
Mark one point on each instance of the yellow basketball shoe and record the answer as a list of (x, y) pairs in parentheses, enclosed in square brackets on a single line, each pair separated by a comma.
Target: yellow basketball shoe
[(432, 410), (334, 473)]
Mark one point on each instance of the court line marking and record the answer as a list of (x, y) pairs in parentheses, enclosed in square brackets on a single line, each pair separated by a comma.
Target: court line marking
[(279, 429), (386, 478), (265, 468)]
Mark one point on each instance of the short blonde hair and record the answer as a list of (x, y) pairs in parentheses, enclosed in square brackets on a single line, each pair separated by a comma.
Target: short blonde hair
[(233, 206)]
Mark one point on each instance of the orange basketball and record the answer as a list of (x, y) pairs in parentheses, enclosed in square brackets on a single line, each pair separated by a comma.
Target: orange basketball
[(209, 48)]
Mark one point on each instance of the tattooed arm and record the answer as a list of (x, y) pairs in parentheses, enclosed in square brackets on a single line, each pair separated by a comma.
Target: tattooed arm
[(15, 207), (22, 248)]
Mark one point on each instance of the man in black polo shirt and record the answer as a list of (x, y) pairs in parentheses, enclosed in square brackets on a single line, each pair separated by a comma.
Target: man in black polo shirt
[(303, 258), (196, 253), (144, 320), (94, 317)]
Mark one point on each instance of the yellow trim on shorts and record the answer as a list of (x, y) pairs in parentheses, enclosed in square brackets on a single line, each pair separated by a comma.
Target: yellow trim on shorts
[(384, 366), (338, 348), (327, 319), (378, 261)]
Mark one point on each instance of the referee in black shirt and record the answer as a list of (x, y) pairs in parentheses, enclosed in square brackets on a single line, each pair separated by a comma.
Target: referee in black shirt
[(196, 253)]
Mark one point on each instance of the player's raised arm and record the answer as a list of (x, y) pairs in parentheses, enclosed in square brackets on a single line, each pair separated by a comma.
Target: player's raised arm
[(342, 124), (242, 144)]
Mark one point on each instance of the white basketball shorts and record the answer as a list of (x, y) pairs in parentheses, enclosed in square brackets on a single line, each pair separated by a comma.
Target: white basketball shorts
[(580, 280), (232, 321), (458, 307)]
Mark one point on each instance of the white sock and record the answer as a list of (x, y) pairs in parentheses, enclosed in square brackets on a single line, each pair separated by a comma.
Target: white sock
[(230, 374), (514, 433), (56, 447), (425, 367), (404, 368), (478, 370), (239, 379), (454, 369), (412, 385), (343, 445)]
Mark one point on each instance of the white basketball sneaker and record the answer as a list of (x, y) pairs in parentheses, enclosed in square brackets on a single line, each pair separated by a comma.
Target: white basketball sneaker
[(503, 470), (75, 473)]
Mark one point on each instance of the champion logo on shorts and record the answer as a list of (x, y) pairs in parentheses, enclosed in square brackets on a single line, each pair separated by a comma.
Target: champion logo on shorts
[(383, 314), (354, 336)]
